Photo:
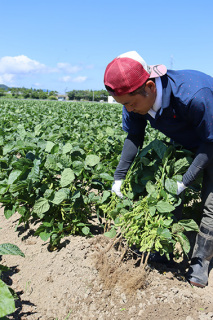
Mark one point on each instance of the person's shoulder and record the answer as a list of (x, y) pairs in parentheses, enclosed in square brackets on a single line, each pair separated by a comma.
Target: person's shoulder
[(188, 74), (189, 80)]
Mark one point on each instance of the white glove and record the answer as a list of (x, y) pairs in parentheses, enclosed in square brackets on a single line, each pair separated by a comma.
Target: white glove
[(180, 187), (116, 187)]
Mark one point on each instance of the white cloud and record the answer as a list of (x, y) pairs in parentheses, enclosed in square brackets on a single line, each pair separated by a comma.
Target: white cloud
[(79, 79), (68, 68), (6, 78), (65, 79), (19, 70), (70, 79), (91, 66), (20, 65)]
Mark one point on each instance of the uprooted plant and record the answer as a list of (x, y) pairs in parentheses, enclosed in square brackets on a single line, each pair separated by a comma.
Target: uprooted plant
[(145, 217)]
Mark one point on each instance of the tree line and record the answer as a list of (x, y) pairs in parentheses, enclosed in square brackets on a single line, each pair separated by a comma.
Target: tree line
[(89, 95), (79, 95)]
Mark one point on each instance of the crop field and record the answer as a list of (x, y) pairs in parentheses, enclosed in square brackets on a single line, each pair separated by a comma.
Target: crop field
[(57, 161)]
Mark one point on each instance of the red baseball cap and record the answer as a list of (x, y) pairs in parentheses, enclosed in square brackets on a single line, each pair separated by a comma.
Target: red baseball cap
[(128, 72)]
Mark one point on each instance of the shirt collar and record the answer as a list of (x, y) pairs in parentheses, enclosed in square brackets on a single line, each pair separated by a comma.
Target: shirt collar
[(158, 101)]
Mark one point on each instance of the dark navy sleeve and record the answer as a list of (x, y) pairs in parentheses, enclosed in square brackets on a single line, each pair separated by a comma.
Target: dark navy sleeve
[(203, 158), (201, 114), (130, 149), (201, 117)]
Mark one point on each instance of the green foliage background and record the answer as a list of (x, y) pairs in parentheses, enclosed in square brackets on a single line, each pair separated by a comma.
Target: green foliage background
[(52, 155), (57, 161)]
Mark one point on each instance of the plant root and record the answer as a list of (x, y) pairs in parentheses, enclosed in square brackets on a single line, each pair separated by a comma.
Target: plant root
[(112, 243), (122, 256), (114, 270), (144, 260)]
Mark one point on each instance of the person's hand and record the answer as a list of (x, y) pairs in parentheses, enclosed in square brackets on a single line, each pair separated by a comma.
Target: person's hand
[(180, 187), (116, 187)]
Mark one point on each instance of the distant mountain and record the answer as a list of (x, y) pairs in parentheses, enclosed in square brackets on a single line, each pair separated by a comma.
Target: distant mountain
[(2, 86)]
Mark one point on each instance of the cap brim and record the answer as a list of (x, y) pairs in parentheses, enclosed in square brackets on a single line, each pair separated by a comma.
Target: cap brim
[(158, 71)]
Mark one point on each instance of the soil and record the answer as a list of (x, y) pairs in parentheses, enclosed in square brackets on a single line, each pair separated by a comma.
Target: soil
[(84, 281)]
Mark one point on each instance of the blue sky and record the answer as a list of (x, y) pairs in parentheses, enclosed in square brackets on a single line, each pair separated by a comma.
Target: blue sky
[(66, 45)]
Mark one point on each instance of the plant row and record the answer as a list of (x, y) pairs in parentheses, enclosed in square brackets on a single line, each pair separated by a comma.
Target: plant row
[(57, 162)]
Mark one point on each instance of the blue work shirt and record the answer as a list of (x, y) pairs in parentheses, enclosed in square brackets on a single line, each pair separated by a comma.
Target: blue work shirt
[(186, 114)]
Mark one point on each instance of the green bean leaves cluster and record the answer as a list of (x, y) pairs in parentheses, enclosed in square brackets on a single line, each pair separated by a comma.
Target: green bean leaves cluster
[(146, 216)]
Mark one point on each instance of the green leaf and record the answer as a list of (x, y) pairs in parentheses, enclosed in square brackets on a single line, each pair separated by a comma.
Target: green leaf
[(13, 176), (106, 176), (22, 162), (9, 248), (159, 147), (67, 148), (184, 241), (21, 131), (167, 154), (181, 165), (18, 186), (159, 231), (48, 193), (76, 195), (126, 202), (171, 186), (150, 187), (60, 226), (37, 129), (106, 195), (41, 206), (3, 188), (145, 150), (166, 234), (67, 177), (85, 230), (22, 210), (9, 212), (145, 161), (91, 160), (55, 148), (167, 222), (177, 177), (7, 303), (41, 144), (110, 131), (189, 225), (7, 148), (77, 167), (164, 207), (59, 197), (44, 235), (111, 233), (47, 224), (49, 146), (152, 210), (1, 141), (34, 174), (80, 224), (51, 163)]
